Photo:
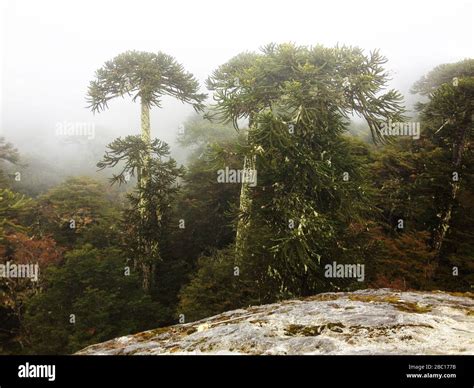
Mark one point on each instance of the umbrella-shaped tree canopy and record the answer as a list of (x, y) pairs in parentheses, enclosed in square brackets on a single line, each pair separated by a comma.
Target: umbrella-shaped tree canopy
[(144, 75)]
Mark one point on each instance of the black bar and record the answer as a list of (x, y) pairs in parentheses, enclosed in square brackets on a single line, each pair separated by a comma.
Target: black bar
[(223, 371)]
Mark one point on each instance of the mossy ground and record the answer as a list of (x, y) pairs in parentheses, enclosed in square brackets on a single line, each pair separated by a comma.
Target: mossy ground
[(409, 307)]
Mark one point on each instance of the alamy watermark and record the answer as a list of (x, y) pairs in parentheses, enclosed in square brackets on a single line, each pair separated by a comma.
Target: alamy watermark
[(230, 175), (75, 129), (28, 370), (345, 271), (11, 270), (398, 128)]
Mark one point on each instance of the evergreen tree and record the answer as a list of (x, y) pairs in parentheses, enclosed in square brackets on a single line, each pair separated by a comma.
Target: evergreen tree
[(146, 77), (298, 101), (90, 298), (448, 118), (145, 234)]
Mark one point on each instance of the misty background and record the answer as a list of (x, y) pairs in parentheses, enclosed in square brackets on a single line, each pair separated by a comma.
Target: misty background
[(50, 50)]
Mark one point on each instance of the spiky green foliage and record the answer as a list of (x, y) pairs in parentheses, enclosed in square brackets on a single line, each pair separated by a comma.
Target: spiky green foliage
[(448, 118), (145, 76), (298, 101), (443, 74), (414, 182), (302, 207), (306, 85), (144, 221)]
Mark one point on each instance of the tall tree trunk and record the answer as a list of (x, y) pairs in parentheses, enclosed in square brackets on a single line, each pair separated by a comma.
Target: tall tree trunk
[(445, 220), (146, 259), (146, 138), (245, 206), (244, 210)]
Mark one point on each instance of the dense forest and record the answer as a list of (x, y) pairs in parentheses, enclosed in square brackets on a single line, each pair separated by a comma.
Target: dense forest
[(299, 160)]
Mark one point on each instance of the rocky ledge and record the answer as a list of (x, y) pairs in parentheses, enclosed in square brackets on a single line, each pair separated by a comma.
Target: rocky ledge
[(363, 322)]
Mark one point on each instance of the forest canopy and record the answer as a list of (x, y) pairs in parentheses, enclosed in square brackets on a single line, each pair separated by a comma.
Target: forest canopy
[(304, 174)]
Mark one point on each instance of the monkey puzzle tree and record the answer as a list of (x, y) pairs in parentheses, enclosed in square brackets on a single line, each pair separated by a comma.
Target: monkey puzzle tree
[(298, 101), (143, 235), (146, 77), (448, 121)]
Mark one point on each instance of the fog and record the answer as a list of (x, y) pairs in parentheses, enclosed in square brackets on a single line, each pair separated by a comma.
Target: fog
[(50, 50)]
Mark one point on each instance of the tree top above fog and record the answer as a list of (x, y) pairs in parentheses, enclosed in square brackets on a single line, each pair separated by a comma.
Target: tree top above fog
[(303, 83), (143, 75), (443, 74)]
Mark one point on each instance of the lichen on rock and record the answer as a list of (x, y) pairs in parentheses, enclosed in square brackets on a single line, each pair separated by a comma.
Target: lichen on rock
[(363, 322)]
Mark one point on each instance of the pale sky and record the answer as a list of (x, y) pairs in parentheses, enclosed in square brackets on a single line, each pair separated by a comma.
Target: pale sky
[(49, 49)]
